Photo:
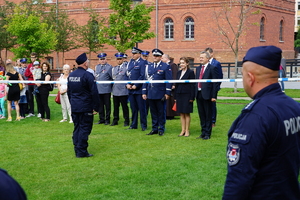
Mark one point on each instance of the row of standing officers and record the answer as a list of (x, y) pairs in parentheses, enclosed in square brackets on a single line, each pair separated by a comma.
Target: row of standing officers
[(263, 142), (141, 96), (144, 96)]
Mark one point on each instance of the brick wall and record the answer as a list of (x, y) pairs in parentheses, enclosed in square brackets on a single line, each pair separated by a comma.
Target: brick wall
[(202, 13)]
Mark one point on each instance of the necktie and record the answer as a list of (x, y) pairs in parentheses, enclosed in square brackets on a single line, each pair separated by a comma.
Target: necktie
[(155, 65), (201, 75)]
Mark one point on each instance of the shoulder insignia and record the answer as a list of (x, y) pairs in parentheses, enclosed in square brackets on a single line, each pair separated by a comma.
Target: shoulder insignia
[(233, 154), (251, 105)]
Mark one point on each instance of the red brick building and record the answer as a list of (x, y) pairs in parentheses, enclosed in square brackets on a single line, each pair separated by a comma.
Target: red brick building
[(184, 28)]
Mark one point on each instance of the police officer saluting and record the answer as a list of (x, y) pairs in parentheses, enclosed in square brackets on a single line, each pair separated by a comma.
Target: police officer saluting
[(103, 72), (120, 92), (84, 99), (157, 93), (264, 141)]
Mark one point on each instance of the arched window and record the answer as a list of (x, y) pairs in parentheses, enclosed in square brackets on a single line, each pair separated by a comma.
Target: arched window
[(281, 30), (169, 29), (262, 29), (189, 28)]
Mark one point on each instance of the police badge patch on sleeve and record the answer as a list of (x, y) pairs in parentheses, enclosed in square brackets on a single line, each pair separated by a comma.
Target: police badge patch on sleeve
[(233, 154)]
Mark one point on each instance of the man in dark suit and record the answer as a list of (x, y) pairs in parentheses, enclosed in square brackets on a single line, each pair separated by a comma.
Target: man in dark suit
[(136, 71), (206, 93), (157, 93), (217, 64)]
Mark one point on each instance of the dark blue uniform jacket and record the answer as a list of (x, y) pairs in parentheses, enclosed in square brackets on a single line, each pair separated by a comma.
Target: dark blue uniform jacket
[(158, 90), (264, 149), (82, 91), (136, 71), (9, 188)]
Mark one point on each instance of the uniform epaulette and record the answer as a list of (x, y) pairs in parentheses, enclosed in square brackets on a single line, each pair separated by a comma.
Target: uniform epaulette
[(251, 105)]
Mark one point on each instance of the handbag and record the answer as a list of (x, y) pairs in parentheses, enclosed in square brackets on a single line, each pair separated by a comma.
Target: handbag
[(174, 107), (57, 98), (21, 86)]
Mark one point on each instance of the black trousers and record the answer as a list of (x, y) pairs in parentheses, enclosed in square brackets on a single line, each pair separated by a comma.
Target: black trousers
[(42, 98), (83, 124), (30, 99), (23, 107), (158, 114), (105, 107), (205, 114), (214, 112), (123, 101)]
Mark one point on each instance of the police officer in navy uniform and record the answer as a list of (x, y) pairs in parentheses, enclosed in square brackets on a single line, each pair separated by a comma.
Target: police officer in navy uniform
[(157, 93), (10, 188), (103, 72), (263, 150), (120, 92), (145, 56), (136, 71), (84, 100)]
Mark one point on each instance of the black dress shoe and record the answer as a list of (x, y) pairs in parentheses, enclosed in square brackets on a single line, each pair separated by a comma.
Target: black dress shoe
[(160, 133), (99, 122), (106, 123), (206, 138), (86, 156), (126, 124), (130, 128), (152, 133), (114, 123), (143, 129)]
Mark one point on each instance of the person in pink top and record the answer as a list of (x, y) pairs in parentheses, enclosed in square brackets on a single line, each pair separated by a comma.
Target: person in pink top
[(2, 99)]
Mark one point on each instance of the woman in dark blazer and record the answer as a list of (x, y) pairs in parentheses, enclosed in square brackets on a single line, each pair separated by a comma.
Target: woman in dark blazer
[(184, 96)]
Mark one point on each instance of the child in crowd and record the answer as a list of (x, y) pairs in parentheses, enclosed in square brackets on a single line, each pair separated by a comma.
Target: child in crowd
[(2, 98), (37, 73), (23, 103)]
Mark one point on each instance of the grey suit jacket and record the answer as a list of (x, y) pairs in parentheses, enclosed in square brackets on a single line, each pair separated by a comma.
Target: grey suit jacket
[(103, 73), (118, 74)]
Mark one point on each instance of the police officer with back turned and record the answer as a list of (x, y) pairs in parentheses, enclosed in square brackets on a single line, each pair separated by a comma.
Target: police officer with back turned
[(84, 99), (263, 151)]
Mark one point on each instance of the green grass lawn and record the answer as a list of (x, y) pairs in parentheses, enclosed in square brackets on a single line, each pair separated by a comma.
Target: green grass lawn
[(127, 164)]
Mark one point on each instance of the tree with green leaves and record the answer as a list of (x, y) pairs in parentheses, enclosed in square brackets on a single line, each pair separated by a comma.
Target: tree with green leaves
[(32, 34), (297, 41), (7, 41), (231, 24), (92, 34), (129, 23), (66, 30)]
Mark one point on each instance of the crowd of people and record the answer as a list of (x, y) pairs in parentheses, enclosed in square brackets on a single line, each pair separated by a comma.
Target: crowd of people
[(263, 151), (156, 99), (20, 96)]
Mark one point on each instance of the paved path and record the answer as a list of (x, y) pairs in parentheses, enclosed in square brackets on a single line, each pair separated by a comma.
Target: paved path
[(287, 85)]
